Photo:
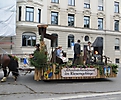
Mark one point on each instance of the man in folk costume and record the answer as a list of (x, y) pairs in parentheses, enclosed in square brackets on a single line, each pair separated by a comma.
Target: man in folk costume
[(77, 51)]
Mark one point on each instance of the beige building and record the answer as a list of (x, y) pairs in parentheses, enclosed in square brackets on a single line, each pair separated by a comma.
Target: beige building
[(86, 20), (70, 20)]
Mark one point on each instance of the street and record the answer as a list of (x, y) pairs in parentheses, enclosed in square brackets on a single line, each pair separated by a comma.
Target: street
[(27, 89)]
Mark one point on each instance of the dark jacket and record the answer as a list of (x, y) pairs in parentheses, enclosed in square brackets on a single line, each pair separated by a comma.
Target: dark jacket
[(77, 49)]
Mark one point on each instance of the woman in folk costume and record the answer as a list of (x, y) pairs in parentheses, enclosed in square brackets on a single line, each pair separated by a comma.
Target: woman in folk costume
[(60, 54), (37, 49)]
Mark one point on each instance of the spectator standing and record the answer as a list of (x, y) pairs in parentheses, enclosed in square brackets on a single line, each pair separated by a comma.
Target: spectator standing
[(25, 61)]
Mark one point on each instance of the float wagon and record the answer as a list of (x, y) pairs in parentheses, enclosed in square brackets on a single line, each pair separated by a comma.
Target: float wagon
[(100, 65)]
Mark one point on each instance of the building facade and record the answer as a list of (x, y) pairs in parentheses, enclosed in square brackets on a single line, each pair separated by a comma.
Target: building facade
[(85, 20), (69, 20)]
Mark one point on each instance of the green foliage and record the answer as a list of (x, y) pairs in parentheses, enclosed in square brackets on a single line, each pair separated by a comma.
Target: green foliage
[(14, 57), (99, 67), (40, 38), (39, 60), (114, 68), (57, 70)]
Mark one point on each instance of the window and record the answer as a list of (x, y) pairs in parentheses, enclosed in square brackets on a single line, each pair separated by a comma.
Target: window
[(39, 15), (100, 23), (54, 18), (117, 60), (70, 40), (86, 21), (54, 43), (86, 38), (116, 7), (70, 20), (71, 2), (100, 5), (116, 25), (117, 44), (19, 18), (28, 39), (55, 1), (87, 4), (30, 14), (21, 60)]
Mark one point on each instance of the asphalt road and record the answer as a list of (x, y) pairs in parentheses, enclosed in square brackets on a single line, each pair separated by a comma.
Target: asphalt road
[(27, 89)]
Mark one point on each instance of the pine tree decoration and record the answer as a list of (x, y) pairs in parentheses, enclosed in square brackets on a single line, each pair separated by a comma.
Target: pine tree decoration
[(39, 60), (40, 57)]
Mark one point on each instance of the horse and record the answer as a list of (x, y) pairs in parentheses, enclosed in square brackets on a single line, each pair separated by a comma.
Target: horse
[(8, 61)]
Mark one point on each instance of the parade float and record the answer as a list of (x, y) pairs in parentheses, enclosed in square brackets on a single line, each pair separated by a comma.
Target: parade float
[(100, 66)]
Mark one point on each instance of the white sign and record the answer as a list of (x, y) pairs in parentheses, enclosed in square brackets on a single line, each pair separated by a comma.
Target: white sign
[(78, 72), (7, 17)]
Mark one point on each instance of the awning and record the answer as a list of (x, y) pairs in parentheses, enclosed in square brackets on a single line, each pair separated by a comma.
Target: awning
[(98, 42)]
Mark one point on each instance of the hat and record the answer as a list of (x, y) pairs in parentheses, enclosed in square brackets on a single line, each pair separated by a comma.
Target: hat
[(59, 46), (37, 45), (89, 42), (78, 41)]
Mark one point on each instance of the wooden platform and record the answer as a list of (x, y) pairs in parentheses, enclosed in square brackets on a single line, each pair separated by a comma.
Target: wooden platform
[(77, 73), (63, 73)]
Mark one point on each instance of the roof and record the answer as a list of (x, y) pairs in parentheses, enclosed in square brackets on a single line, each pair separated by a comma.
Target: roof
[(51, 37), (44, 25), (42, 29)]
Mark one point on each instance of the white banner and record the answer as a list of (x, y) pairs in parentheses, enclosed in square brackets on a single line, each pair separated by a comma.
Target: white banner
[(78, 72), (7, 17)]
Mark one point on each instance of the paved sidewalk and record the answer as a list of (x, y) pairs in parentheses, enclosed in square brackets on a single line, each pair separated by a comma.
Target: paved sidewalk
[(27, 89)]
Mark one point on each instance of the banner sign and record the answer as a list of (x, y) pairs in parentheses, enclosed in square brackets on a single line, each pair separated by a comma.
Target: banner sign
[(78, 72)]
